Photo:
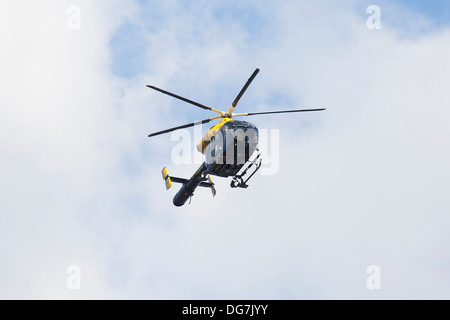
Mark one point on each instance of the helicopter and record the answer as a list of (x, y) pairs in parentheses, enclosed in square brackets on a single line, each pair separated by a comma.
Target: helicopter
[(230, 147)]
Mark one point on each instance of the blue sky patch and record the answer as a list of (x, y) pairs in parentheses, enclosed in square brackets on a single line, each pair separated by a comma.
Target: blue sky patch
[(128, 50)]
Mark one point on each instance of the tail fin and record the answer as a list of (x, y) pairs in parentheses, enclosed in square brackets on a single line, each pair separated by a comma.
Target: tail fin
[(166, 178), (213, 188)]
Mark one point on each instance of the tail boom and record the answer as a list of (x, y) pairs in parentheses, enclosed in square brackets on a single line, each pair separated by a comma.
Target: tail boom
[(189, 185)]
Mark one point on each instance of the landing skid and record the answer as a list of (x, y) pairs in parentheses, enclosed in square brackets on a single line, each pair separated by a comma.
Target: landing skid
[(239, 180)]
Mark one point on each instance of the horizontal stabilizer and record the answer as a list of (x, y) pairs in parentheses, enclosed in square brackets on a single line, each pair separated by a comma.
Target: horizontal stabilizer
[(179, 180), (205, 184), (168, 180)]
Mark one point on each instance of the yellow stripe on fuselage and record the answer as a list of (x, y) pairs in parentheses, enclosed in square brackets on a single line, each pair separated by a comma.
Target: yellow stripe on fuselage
[(201, 146)]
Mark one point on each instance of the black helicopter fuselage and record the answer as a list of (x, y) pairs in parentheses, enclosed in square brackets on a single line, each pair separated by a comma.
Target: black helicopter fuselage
[(225, 154)]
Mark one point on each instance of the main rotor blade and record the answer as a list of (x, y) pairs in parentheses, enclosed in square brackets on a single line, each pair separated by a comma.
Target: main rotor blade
[(184, 99), (249, 81), (184, 126), (272, 112)]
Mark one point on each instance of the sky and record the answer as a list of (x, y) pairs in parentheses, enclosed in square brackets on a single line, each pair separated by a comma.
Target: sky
[(364, 183)]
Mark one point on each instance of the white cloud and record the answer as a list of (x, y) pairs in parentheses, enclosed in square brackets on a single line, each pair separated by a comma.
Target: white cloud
[(363, 183)]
